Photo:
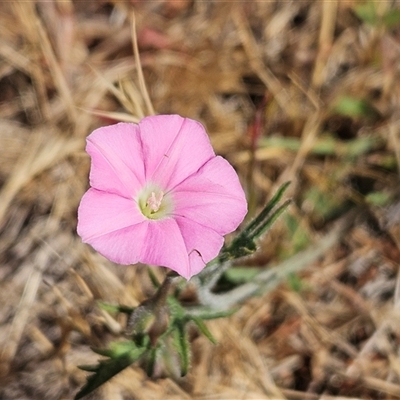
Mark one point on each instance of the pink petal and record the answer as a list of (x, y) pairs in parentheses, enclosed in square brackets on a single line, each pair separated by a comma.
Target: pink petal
[(117, 159), (202, 244), (101, 213), (173, 148), (123, 246), (164, 246), (213, 197)]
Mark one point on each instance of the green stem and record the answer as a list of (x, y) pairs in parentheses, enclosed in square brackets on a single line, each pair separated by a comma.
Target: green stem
[(161, 295)]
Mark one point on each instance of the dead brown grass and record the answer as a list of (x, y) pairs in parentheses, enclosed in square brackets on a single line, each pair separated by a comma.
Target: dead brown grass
[(265, 78)]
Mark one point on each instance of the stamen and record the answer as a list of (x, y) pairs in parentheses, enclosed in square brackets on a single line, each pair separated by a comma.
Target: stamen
[(154, 201)]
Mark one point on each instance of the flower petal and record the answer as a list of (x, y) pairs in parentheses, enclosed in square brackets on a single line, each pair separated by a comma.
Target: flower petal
[(117, 159), (123, 246), (101, 213), (164, 246), (213, 197), (173, 148), (112, 225), (202, 244)]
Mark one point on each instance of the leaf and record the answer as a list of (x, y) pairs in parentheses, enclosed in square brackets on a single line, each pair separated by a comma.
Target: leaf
[(218, 314), (286, 143), (103, 352), (295, 283), (151, 361), (326, 145), (360, 146), (367, 13), (203, 329), (88, 368), (240, 247), (113, 309), (323, 204), (239, 275), (271, 220), (116, 349), (259, 220), (244, 243), (391, 18), (353, 107), (299, 239), (177, 311), (378, 198), (181, 342), (125, 354), (153, 278)]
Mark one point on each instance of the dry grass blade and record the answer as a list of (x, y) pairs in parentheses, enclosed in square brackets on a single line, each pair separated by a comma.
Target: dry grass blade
[(326, 37), (252, 52), (142, 83), (39, 154), (55, 70), (16, 59), (21, 318), (117, 116)]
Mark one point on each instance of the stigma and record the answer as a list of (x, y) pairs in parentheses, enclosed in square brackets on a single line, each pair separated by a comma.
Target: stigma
[(154, 201)]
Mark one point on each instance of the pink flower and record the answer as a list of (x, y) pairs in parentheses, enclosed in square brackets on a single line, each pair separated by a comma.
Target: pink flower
[(159, 195)]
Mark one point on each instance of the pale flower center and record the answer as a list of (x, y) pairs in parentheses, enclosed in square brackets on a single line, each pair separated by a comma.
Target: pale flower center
[(154, 203)]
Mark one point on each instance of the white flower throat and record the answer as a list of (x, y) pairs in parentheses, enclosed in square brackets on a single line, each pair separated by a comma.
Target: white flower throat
[(154, 203)]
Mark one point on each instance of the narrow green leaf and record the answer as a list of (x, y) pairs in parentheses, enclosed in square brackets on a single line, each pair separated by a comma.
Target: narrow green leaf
[(151, 361), (299, 239), (328, 144), (270, 221), (116, 349), (208, 315), (240, 247), (181, 342), (391, 18), (113, 309), (244, 244), (239, 275), (295, 283), (353, 107), (119, 349), (88, 368), (203, 329), (106, 369), (360, 146), (286, 143), (153, 278), (177, 311), (259, 220), (367, 13), (378, 198), (102, 352)]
